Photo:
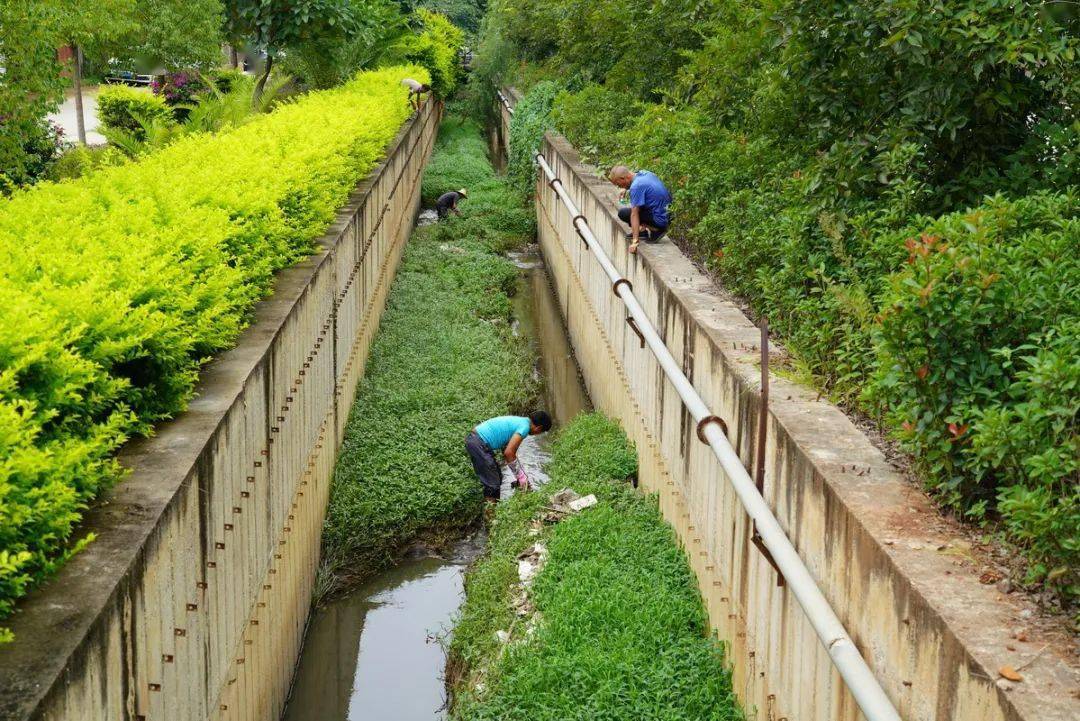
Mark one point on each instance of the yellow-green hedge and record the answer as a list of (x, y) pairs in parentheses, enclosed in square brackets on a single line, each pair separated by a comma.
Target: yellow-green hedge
[(116, 287)]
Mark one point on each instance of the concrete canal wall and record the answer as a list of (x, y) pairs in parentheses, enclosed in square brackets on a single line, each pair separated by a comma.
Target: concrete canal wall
[(902, 580), (191, 603)]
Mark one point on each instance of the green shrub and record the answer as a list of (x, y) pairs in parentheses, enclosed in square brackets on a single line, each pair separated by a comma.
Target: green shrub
[(328, 59), (531, 119), (444, 359), (622, 633), (979, 369), (593, 118), (79, 160), (125, 108), (435, 46), (116, 287)]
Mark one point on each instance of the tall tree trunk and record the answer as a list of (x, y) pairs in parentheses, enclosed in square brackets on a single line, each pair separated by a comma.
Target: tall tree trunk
[(262, 80), (234, 57), (80, 121)]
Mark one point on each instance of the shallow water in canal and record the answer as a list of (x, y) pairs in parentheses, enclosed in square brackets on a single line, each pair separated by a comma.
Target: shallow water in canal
[(376, 654)]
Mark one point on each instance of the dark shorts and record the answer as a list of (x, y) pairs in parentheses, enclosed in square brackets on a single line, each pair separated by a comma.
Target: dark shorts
[(484, 463), (644, 215), (442, 210)]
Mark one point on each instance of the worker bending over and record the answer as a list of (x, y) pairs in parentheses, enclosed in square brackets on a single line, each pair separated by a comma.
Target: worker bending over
[(447, 203), (416, 91), (503, 433), (647, 215)]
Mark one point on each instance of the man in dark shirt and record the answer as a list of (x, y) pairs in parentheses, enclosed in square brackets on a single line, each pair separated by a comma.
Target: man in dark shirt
[(447, 203), (648, 215)]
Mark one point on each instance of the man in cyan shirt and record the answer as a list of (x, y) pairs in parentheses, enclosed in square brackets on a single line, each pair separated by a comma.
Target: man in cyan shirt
[(503, 433), (648, 214)]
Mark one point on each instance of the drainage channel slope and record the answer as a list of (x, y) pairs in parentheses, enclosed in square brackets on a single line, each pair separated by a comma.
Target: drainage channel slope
[(614, 626), (403, 494)]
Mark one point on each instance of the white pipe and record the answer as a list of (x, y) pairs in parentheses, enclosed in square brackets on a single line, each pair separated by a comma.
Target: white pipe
[(857, 675), (505, 102)]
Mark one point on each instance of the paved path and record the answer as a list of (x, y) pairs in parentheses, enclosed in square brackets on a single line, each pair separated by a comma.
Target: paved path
[(65, 118)]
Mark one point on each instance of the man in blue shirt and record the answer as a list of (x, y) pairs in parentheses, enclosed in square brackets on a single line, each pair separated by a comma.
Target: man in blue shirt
[(648, 215), (503, 433)]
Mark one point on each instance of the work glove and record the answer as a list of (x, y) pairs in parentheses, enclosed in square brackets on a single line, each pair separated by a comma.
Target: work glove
[(521, 480)]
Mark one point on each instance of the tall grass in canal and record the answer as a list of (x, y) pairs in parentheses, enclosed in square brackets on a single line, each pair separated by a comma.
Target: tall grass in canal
[(445, 358), (620, 628)]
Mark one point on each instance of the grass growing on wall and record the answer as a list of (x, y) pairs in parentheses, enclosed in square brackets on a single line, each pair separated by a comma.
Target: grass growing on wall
[(444, 359), (115, 289), (622, 635)]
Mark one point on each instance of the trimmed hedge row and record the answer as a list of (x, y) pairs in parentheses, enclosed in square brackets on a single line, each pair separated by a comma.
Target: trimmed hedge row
[(115, 288)]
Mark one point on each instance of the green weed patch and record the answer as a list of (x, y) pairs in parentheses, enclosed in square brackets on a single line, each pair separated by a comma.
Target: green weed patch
[(621, 631), (444, 359)]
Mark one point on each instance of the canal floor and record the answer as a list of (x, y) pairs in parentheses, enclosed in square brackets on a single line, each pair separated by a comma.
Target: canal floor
[(377, 654)]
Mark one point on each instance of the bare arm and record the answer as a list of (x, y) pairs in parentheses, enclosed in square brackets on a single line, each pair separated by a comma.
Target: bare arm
[(635, 223), (510, 452)]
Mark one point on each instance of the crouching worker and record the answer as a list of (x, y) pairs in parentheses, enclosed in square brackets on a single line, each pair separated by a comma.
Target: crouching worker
[(647, 215), (503, 433), (416, 91), (447, 203)]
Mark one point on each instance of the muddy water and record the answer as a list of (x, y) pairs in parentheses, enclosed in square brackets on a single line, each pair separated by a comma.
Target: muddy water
[(376, 654)]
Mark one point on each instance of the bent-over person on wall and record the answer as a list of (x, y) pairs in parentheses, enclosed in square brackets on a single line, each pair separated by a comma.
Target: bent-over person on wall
[(416, 91), (647, 215), (505, 434)]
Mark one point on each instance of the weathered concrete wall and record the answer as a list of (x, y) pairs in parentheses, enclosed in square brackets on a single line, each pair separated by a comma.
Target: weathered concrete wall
[(499, 131), (191, 603), (898, 576)]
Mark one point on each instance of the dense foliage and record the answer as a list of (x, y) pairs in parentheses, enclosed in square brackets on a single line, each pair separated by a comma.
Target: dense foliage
[(894, 185), (527, 127), (115, 288), (125, 108), (30, 87), (144, 33), (622, 633), (379, 33), (445, 358), (328, 59), (434, 44)]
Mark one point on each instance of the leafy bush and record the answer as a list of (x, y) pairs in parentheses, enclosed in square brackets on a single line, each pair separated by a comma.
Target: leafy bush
[(435, 46), (328, 59), (181, 87), (594, 117), (125, 108), (42, 144), (979, 370), (621, 630), (403, 469), (531, 119), (116, 287), (79, 160), (31, 87)]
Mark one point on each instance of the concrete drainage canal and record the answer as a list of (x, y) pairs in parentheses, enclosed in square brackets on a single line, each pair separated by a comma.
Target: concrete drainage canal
[(377, 652)]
